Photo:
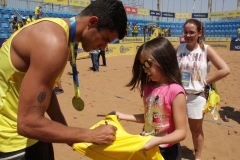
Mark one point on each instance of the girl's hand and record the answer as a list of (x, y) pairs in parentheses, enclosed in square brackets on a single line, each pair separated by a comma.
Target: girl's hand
[(151, 143), (118, 114)]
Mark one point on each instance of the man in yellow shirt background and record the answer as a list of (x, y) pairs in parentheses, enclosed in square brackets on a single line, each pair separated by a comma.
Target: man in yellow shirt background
[(135, 30), (38, 12), (30, 19)]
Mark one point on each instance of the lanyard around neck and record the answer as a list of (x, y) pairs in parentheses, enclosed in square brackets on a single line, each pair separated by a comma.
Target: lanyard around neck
[(74, 65)]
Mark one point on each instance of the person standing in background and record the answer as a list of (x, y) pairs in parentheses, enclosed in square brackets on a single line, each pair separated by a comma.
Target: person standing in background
[(38, 12), (102, 53), (14, 23), (94, 57), (194, 58), (135, 30)]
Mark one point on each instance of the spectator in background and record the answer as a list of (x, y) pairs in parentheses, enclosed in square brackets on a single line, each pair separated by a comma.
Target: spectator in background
[(196, 79), (22, 23), (94, 58), (159, 31), (38, 12), (30, 19), (102, 54), (150, 29), (144, 32), (14, 23), (128, 29), (135, 30), (59, 88)]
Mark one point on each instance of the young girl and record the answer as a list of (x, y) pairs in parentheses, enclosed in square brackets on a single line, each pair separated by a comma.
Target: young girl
[(157, 76), (194, 57)]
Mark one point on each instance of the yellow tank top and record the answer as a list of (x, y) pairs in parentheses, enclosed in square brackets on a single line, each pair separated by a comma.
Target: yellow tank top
[(37, 10), (10, 82)]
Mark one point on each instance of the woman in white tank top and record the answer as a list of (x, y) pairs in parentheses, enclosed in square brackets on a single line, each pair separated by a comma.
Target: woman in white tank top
[(194, 59)]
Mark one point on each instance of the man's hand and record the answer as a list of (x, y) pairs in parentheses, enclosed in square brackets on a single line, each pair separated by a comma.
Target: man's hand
[(104, 134)]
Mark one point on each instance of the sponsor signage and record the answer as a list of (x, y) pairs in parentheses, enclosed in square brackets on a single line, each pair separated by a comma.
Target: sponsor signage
[(63, 2), (173, 39), (199, 15), (220, 45), (152, 13), (131, 10), (218, 15), (168, 14), (236, 40), (81, 3), (235, 46), (218, 39), (132, 40), (182, 15), (233, 13), (142, 11)]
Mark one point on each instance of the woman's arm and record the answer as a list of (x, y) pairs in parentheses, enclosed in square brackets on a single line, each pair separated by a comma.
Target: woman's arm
[(222, 68)]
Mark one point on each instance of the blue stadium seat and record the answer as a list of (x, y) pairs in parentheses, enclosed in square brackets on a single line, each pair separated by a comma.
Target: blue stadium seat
[(3, 35), (4, 25), (6, 16)]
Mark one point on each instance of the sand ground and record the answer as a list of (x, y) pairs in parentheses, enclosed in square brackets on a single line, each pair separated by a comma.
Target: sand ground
[(104, 92)]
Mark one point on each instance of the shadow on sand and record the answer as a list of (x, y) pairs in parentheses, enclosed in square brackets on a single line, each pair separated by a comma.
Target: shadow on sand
[(227, 112), (186, 153)]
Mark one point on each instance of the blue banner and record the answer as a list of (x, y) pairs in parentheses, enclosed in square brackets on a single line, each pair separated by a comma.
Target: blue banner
[(235, 46), (155, 13), (235, 40), (152, 13), (168, 14), (158, 14), (199, 15)]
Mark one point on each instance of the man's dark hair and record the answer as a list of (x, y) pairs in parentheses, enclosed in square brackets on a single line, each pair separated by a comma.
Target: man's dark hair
[(111, 14)]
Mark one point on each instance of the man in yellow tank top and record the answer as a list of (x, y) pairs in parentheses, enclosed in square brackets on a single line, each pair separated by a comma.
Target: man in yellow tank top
[(32, 60), (38, 12)]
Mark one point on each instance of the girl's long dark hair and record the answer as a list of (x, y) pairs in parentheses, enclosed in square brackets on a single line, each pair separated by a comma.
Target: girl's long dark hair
[(164, 55)]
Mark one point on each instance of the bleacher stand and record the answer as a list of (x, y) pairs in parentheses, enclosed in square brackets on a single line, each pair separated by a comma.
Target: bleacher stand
[(217, 28)]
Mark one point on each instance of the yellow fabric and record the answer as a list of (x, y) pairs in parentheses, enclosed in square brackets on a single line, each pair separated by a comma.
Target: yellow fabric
[(125, 147), (238, 30), (10, 82), (212, 102)]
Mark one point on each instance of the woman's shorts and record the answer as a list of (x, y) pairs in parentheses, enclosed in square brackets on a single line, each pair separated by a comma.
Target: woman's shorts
[(195, 104)]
